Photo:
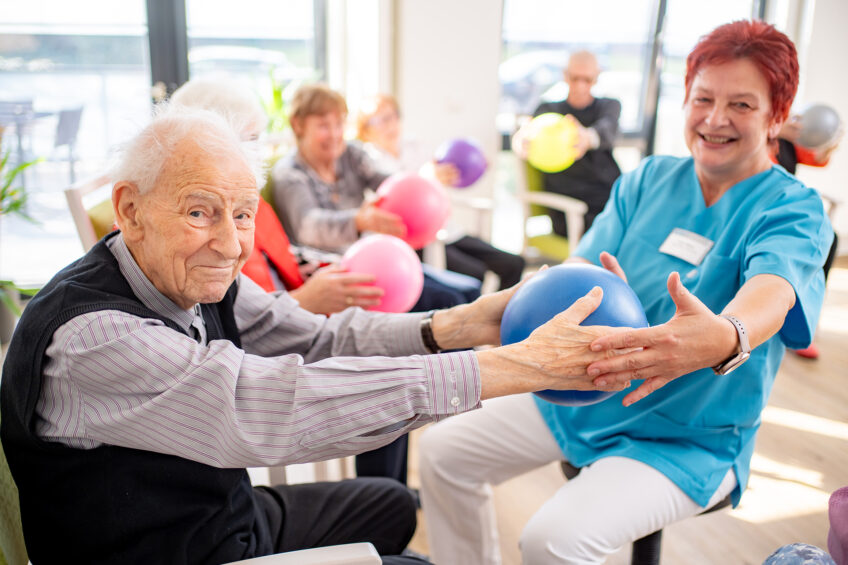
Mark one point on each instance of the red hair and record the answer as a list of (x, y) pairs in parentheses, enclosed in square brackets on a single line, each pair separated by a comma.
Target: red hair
[(769, 49)]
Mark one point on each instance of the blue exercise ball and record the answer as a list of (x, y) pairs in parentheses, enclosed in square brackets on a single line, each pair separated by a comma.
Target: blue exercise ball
[(550, 292), (799, 554)]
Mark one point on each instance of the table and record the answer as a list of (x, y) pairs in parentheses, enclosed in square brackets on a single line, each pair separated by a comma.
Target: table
[(19, 114)]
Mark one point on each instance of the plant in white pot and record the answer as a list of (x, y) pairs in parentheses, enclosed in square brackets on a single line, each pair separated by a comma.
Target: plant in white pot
[(12, 201)]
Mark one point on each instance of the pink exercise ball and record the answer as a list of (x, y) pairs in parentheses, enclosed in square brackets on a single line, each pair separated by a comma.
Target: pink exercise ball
[(421, 203), (396, 266)]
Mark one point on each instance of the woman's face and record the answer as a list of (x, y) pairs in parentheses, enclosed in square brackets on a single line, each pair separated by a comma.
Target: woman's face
[(383, 128), (321, 137), (728, 120)]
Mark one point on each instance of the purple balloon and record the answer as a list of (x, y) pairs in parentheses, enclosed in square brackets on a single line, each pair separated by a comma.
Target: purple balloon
[(466, 156)]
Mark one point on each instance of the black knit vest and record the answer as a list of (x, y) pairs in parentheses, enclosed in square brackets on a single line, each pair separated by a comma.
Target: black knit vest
[(113, 504)]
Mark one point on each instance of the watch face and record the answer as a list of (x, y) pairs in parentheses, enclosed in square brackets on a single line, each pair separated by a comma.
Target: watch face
[(734, 363)]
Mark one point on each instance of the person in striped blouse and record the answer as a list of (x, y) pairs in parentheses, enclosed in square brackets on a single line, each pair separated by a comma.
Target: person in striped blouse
[(148, 374)]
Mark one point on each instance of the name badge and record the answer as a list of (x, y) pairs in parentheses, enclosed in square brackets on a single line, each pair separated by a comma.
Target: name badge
[(686, 245)]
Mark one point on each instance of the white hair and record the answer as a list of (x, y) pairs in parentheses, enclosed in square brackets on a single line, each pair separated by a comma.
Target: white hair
[(142, 159), (232, 100)]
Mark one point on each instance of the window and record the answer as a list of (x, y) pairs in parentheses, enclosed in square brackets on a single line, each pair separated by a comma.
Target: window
[(539, 34), (250, 39), (96, 54), (90, 53), (59, 55)]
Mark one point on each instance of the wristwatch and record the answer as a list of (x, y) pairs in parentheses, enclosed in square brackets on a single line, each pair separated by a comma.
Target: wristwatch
[(740, 356), (427, 333)]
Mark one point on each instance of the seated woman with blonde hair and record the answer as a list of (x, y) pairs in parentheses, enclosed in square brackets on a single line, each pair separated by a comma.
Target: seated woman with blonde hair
[(379, 128)]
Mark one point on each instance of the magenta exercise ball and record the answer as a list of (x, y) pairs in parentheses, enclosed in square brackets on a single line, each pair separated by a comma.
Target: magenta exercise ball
[(396, 266), (421, 203), (553, 290)]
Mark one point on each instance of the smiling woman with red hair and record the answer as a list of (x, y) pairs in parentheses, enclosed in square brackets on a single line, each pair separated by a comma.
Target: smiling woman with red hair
[(739, 244), (769, 50)]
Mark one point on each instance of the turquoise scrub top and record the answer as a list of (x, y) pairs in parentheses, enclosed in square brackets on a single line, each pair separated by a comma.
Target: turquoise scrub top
[(700, 425)]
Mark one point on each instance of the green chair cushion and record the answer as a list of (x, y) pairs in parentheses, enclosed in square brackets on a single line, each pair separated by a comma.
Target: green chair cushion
[(102, 218)]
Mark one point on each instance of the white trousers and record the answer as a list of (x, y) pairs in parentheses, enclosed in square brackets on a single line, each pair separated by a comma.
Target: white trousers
[(609, 504)]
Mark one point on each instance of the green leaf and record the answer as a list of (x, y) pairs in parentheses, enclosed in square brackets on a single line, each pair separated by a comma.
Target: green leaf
[(9, 302), (12, 200)]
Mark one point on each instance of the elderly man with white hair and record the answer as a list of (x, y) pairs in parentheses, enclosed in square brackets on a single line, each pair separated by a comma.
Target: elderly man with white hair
[(146, 376)]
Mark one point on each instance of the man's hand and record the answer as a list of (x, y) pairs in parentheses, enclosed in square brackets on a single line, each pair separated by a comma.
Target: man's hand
[(332, 289), (371, 218), (554, 356), (478, 323), (693, 339)]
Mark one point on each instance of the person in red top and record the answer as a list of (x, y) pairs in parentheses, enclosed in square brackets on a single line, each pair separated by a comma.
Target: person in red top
[(271, 247), (318, 286), (789, 153)]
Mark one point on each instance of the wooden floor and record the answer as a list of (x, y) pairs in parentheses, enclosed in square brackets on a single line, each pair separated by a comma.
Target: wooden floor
[(800, 458)]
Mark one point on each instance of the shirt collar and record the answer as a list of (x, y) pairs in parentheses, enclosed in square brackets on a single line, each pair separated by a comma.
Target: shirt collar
[(145, 290)]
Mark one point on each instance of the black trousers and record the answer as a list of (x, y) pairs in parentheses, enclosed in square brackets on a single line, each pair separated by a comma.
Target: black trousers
[(387, 461), (473, 257), (380, 511), (828, 263)]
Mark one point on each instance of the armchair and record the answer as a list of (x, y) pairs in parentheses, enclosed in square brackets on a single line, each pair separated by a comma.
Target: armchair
[(534, 201)]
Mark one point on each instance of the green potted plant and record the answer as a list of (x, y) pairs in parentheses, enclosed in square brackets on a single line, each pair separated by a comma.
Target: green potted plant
[(12, 201)]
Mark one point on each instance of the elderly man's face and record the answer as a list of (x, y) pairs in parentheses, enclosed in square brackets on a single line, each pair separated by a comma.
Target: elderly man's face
[(581, 75), (194, 230)]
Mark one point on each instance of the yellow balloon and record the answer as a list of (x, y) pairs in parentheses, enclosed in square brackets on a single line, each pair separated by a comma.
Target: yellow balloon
[(552, 140)]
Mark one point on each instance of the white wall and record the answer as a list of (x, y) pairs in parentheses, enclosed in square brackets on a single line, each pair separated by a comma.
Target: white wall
[(446, 73), (826, 81)]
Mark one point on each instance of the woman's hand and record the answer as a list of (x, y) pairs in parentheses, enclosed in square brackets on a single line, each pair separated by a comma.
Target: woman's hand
[(446, 173), (693, 339), (332, 289), (610, 263), (371, 218)]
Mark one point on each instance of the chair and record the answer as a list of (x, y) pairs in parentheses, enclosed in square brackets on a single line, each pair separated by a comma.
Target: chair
[(67, 129), (12, 548), (646, 550), (535, 202), (347, 554), (94, 222)]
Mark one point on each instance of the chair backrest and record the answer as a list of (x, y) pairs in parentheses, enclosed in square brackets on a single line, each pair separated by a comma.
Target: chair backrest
[(12, 548), (95, 222), (67, 127), (534, 182), (534, 200)]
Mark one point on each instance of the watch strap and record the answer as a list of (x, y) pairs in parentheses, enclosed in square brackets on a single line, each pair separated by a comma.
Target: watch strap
[(744, 347), (427, 333), (744, 344)]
